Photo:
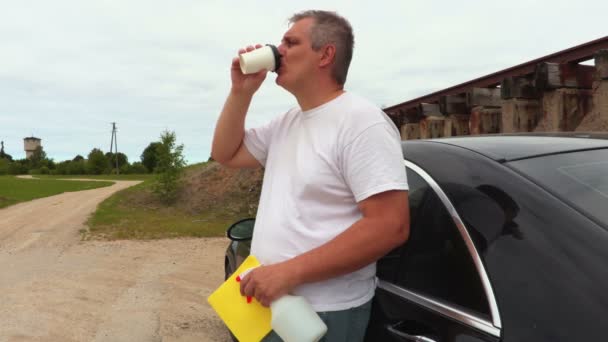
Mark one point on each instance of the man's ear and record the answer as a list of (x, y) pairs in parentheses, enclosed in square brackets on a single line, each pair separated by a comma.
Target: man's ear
[(328, 55)]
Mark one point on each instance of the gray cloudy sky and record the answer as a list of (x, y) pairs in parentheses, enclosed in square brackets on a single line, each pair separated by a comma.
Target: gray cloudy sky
[(70, 68)]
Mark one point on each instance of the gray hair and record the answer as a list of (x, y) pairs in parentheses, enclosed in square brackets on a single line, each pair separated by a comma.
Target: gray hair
[(330, 28)]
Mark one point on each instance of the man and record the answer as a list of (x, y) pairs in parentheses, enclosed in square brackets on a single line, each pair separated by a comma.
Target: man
[(334, 197)]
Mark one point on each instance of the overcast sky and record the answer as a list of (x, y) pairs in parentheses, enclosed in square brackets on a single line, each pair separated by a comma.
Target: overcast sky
[(68, 69)]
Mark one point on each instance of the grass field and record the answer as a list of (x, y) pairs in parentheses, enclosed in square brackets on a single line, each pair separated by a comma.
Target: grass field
[(100, 177), (133, 213), (14, 190)]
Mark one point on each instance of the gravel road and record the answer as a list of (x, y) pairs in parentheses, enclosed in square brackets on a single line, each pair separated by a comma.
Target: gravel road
[(54, 287)]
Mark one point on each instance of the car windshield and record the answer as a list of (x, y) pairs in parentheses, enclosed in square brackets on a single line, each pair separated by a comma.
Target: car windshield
[(579, 178)]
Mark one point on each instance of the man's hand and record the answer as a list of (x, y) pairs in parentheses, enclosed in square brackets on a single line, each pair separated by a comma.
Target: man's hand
[(385, 223), (267, 283), (242, 83), (228, 148)]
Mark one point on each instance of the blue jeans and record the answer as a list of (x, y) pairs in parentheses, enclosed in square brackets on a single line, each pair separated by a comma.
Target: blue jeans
[(342, 326)]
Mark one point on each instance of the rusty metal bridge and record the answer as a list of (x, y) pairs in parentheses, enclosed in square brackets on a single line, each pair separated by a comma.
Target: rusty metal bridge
[(551, 93)]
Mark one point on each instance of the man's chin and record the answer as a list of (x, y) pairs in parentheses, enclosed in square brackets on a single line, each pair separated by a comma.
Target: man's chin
[(279, 80)]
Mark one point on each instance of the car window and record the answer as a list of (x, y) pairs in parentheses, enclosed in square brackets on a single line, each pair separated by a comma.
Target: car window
[(386, 268), (435, 261), (418, 188), (578, 178)]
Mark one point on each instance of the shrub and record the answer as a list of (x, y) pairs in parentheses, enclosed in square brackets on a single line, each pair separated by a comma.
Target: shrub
[(149, 157), (76, 167), (4, 166), (138, 168), (169, 166), (19, 167), (97, 162)]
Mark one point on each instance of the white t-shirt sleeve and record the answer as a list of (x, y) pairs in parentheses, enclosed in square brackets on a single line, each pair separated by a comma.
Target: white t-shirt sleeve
[(373, 162), (257, 140)]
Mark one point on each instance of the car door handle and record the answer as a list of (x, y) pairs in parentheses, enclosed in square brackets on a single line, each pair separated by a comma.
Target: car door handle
[(408, 337)]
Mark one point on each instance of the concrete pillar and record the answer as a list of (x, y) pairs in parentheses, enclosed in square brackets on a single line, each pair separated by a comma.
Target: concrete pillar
[(600, 89), (432, 127), (597, 119), (564, 109), (410, 131), (485, 120), (601, 65), (520, 115), (455, 125), (600, 100)]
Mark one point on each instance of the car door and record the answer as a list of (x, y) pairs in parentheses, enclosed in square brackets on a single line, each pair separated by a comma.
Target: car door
[(434, 287)]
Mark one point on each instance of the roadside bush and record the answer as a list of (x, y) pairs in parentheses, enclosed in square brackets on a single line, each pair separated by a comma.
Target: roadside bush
[(4, 166), (38, 157), (18, 167), (77, 167), (122, 160), (125, 169), (97, 162), (138, 168), (149, 157), (169, 167), (40, 171), (62, 168)]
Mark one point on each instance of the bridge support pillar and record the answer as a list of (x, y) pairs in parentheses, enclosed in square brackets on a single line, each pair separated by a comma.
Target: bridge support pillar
[(410, 131), (564, 109), (485, 120), (520, 115)]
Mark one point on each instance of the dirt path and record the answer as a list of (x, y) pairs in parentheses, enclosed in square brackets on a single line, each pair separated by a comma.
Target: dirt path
[(54, 287)]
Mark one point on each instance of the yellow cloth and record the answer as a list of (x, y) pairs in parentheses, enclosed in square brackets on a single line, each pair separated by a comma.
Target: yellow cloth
[(249, 322)]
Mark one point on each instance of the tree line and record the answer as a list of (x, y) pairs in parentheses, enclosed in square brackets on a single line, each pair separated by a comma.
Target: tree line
[(96, 162)]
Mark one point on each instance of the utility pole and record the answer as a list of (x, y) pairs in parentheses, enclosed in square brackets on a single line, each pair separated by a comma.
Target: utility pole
[(114, 143)]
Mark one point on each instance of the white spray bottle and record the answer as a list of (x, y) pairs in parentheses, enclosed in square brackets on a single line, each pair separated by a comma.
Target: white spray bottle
[(294, 319)]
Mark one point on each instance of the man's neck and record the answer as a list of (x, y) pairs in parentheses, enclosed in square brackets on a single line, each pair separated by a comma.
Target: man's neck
[(318, 97)]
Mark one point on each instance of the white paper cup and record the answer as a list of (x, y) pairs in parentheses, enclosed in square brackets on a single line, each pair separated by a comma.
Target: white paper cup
[(266, 57)]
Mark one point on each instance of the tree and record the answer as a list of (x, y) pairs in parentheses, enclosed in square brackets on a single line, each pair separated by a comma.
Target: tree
[(62, 168), (170, 165), (78, 158), (38, 158), (138, 168), (122, 159), (4, 155), (97, 162), (4, 164), (19, 167), (149, 156), (77, 167)]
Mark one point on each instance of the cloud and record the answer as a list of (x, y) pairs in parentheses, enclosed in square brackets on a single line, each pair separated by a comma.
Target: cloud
[(70, 68)]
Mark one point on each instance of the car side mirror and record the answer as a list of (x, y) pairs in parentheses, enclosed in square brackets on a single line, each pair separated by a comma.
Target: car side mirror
[(241, 230)]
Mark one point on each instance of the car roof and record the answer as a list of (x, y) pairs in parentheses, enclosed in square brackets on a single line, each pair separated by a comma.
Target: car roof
[(509, 147)]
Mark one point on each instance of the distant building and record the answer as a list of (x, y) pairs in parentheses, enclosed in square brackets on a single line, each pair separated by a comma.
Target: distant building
[(30, 145)]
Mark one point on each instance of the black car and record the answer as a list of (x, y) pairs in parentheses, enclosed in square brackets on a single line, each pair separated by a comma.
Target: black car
[(509, 242)]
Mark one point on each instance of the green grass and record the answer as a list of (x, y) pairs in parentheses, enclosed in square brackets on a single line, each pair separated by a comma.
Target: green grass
[(14, 190), (142, 177), (133, 214)]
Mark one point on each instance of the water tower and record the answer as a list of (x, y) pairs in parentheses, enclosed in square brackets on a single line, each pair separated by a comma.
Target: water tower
[(30, 144)]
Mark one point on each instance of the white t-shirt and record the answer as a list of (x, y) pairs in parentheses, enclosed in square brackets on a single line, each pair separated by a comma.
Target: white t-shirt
[(319, 164)]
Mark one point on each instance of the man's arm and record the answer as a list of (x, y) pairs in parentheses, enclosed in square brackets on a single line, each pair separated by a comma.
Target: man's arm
[(228, 148), (384, 226)]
